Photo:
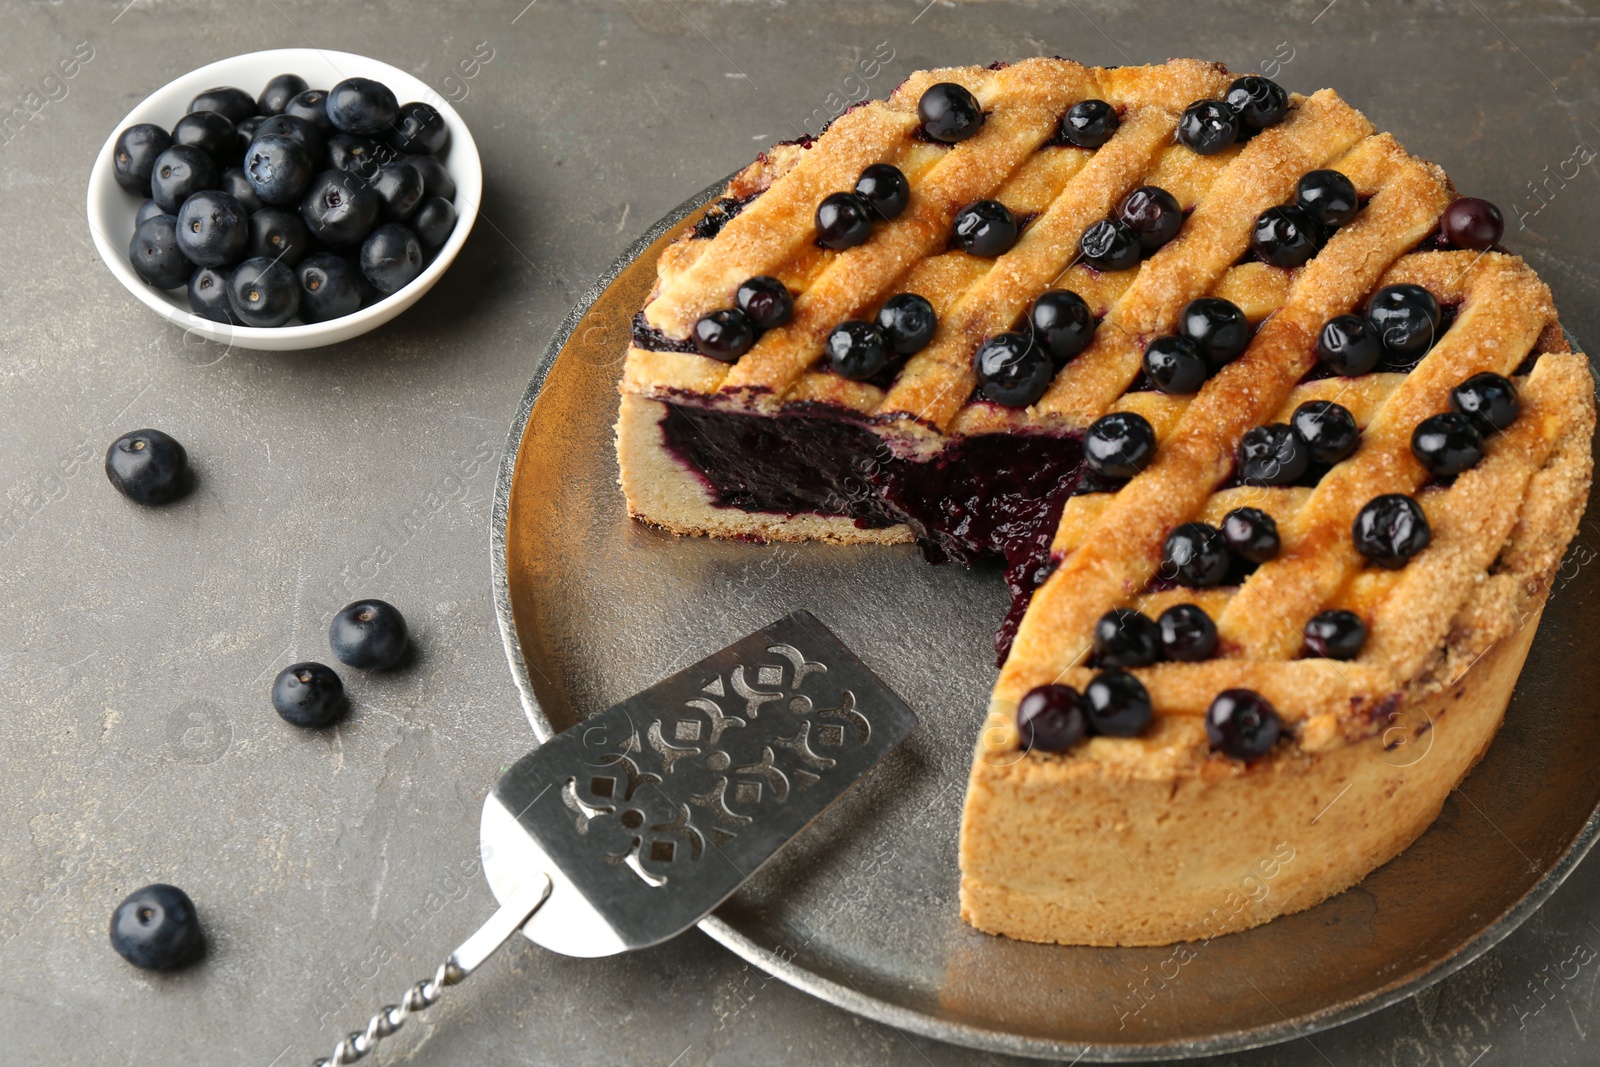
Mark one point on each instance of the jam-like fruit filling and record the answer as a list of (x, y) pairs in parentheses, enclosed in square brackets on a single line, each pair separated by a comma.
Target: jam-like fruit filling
[(991, 497)]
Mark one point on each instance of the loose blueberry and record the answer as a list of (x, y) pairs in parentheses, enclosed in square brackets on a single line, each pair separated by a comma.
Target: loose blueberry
[(1328, 430), (986, 228), (311, 105), (1196, 555), (300, 131), (1063, 324), (1153, 214), (766, 301), (418, 128), (949, 113), (278, 92), (1110, 245), (1328, 197), (434, 221), (1208, 127), (154, 253), (1391, 529), (1174, 366), (280, 234), (1488, 399), (361, 105), (213, 229), (1350, 346), (1187, 634), (339, 208), (235, 184), (1284, 236), (156, 928), (248, 127), (147, 466), (133, 157), (235, 105), (1447, 444), (436, 180), (263, 292), (908, 323), (308, 694), (724, 334), (1472, 223), (147, 210), (885, 190), (1406, 318), (208, 295), (1120, 444), (1118, 705), (359, 155), (844, 220), (328, 287), (1012, 371), (1217, 327), (1272, 455), (399, 186), (1050, 718), (210, 132), (856, 350), (369, 635), (1335, 634), (1126, 638), (180, 172), (1242, 724), (277, 168), (1259, 102), (1089, 123), (1251, 534)]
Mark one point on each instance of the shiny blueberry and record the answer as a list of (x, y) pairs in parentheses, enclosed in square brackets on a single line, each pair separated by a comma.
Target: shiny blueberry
[(985, 228), (369, 635), (328, 287), (399, 186), (147, 466), (434, 220), (1328, 430), (156, 928), (766, 301), (210, 132), (1012, 371), (1196, 555), (1063, 324), (1187, 633), (213, 229), (361, 105), (1153, 214), (1472, 223), (1174, 365), (1284, 236), (154, 254), (1349, 345), (1124, 637), (1447, 444), (247, 129), (1120, 444), (436, 180), (339, 208), (1217, 327), (1488, 399), (418, 128), (180, 172), (208, 295), (856, 350), (263, 292), (277, 168), (1328, 197), (235, 184), (844, 220), (147, 210), (357, 154), (908, 323), (1272, 455), (308, 694), (391, 258), (1050, 718), (1406, 318), (133, 157), (885, 190), (1251, 534), (235, 105), (1208, 127), (1110, 245), (1391, 529), (1242, 724), (311, 105), (298, 130), (1089, 123), (724, 334), (277, 93), (1335, 634), (1118, 705), (279, 233), (949, 113), (1259, 102)]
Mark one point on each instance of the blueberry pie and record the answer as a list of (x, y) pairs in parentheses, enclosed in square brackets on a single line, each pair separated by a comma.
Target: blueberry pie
[(1280, 449)]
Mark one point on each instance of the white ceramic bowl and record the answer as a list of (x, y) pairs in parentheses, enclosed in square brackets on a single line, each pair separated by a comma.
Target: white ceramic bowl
[(111, 209)]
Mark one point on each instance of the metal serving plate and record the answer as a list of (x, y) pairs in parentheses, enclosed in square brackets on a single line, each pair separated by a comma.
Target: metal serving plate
[(861, 910)]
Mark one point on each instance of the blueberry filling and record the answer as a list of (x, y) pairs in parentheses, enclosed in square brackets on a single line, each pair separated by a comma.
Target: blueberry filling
[(720, 213)]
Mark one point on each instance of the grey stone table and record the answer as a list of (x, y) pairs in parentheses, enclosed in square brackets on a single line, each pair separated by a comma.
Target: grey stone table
[(137, 742)]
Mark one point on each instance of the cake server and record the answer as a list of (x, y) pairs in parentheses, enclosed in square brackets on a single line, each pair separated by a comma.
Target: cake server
[(630, 827)]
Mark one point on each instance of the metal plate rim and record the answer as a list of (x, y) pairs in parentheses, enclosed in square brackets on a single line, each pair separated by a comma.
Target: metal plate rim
[(883, 1011)]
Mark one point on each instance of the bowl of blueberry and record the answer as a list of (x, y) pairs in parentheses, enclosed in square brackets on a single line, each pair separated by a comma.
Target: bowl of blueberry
[(285, 199)]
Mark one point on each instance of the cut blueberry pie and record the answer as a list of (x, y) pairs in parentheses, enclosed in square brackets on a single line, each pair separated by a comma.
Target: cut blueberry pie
[(1280, 449)]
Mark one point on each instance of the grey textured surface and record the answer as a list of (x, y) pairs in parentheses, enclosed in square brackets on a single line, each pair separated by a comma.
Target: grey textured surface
[(333, 869)]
